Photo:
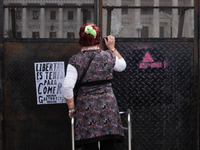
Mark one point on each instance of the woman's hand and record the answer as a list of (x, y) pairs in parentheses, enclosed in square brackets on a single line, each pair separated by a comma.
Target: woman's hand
[(71, 106), (71, 112), (110, 42)]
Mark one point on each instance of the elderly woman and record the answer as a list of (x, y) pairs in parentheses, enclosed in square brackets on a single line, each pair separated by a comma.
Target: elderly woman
[(97, 113)]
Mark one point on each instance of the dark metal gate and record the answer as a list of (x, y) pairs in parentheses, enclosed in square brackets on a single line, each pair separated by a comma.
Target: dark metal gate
[(160, 85), (159, 93)]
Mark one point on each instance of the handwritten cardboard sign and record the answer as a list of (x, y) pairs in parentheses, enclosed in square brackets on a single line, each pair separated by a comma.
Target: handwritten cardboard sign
[(49, 77)]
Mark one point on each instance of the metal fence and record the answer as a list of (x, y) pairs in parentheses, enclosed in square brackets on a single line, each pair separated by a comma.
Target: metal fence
[(160, 84), (128, 19)]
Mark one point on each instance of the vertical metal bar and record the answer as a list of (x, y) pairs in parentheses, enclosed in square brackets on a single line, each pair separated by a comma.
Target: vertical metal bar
[(198, 78), (196, 68), (1, 74), (2, 22), (84, 16), (95, 12), (129, 129), (108, 21), (100, 16), (109, 16), (13, 23), (181, 23), (72, 128)]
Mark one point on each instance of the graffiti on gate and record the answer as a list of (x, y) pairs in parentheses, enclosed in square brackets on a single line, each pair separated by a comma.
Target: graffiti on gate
[(149, 62), (49, 77)]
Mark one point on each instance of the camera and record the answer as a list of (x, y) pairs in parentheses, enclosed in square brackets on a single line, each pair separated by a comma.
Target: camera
[(103, 43)]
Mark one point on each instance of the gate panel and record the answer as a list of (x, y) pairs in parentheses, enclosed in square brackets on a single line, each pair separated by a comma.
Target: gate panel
[(156, 86), (27, 125)]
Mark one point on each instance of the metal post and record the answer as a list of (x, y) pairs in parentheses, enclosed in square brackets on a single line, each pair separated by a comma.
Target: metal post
[(100, 16), (72, 126), (13, 23), (95, 12), (196, 69), (1, 73), (109, 10), (84, 16), (129, 129), (181, 22)]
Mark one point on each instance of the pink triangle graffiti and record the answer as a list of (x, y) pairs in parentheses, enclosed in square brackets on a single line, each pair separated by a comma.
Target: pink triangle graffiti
[(147, 58), (149, 62)]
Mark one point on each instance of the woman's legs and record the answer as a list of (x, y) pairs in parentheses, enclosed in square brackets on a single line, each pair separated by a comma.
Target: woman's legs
[(91, 146), (107, 145)]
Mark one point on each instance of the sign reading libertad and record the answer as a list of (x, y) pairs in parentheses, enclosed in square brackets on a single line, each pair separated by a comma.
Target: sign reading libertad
[(49, 77)]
